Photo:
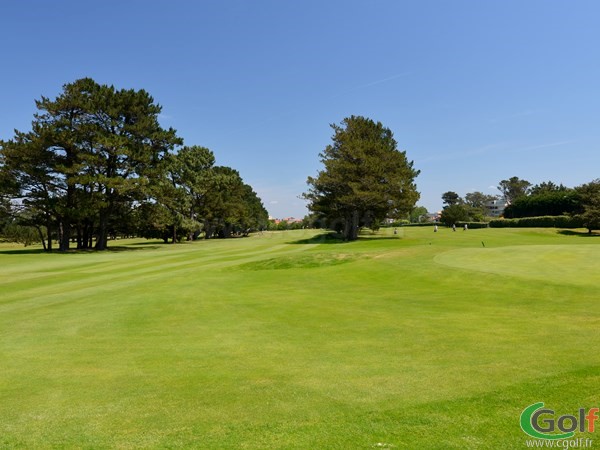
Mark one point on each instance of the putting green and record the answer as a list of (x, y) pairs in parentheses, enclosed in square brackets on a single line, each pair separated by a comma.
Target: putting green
[(570, 264)]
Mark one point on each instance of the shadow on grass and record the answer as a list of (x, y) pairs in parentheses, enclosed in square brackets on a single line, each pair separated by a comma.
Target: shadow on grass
[(132, 249), (23, 251), (577, 233), (34, 251), (150, 243), (334, 238), (323, 238)]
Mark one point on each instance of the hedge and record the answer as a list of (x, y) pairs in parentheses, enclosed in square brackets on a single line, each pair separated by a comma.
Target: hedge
[(472, 225), (538, 222), (426, 224)]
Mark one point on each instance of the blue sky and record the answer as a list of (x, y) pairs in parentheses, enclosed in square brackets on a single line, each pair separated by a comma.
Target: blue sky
[(474, 91)]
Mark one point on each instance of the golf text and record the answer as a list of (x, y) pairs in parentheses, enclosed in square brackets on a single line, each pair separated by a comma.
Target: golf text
[(541, 423)]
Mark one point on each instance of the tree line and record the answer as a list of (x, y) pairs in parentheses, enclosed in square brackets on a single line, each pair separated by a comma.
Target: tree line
[(523, 200), (97, 163)]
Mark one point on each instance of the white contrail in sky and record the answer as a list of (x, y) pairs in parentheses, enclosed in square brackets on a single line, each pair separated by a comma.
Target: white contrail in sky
[(291, 111), (384, 80), (372, 83)]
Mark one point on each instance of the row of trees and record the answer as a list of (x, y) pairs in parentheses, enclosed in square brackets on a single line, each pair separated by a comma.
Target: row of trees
[(551, 199), (524, 199), (97, 162), (471, 208)]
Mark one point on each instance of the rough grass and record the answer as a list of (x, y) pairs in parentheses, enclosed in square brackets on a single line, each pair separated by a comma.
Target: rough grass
[(290, 340)]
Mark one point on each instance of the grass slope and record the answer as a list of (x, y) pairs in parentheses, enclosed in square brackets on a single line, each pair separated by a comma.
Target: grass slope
[(289, 340)]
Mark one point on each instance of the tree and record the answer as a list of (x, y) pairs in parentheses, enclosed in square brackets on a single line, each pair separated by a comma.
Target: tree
[(8, 189), (513, 188), (478, 199), (32, 182), (91, 155), (590, 196), (365, 178), (418, 214), (5, 211), (547, 186), (451, 198), (231, 206), (182, 192), (454, 213)]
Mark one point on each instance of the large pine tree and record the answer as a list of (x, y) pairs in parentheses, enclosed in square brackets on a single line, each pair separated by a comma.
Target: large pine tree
[(91, 152), (365, 178)]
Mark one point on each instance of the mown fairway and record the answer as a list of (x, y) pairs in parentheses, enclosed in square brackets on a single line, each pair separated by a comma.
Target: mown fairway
[(286, 340)]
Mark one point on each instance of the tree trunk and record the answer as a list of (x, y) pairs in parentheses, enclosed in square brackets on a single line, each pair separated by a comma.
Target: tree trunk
[(65, 235), (351, 227), (79, 238), (102, 239), (42, 237), (227, 231), (208, 230), (49, 231)]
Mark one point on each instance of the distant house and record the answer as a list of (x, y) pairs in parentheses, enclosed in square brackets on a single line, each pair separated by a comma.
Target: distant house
[(292, 220), (495, 208), (289, 220), (434, 217)]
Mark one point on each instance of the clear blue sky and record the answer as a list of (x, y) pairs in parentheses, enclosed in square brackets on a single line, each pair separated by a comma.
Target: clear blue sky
[(474, 91)]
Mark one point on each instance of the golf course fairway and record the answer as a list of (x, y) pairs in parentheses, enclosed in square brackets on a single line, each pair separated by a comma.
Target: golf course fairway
[(291, 339)]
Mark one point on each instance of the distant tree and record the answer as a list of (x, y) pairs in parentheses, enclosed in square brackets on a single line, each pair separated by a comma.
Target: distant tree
[(590, 195), (513, 188), (479, 199), (547, 186), (230, 206), (22, 234), (451, 198), (418, 214), (476, 204), (365, 178), (454, 213), (189, 173)]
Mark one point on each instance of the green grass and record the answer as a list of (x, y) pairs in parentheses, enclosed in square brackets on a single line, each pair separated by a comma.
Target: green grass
[(289, 340)]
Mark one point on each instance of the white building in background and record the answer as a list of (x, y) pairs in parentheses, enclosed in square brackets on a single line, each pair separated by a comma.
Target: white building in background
[(495, 208)]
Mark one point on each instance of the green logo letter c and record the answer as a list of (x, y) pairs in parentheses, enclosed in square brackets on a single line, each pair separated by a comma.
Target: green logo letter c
[(528, 428)]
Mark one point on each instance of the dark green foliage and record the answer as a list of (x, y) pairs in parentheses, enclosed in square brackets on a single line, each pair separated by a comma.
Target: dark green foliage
[(539, 222), (590, 200), (418, 214), (96, 163), (22, 234), (455, 213), (92, 152), (547, 186), (476, 202), (231, 206), (514, 188), (451, 198), (365, 178), (472, 225), (546, 203), (478, 199), (5, 214)]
